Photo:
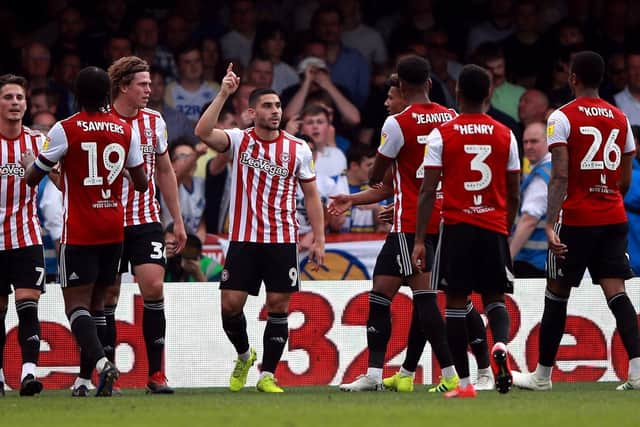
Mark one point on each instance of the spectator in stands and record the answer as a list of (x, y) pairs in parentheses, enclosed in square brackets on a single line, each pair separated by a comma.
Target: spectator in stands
[(346, 65), (71, 27), (146, 46), (528, 244), (260, 72), (615, 79), (632, 206), (217, 182), (533, 107), (36, 62), (443, 67), (64, 76), (409, 25), (43, 99), (498, 27), (43, 121), (240, 104), (613, 27), (237, 43), (505, 94), (178, 126), (117, 46), (190, 265), (177, 32), (362, 218), (628, 100), (560, 93), (271, 42), (190, 189), (360, 36), (212, 66), (523, 49), (316, 81), (316, 124), (190, 92)]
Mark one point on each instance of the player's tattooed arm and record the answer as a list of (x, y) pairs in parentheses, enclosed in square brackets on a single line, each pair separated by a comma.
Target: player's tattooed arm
[(379, 169), (513, 197), (557, 194), (426, 200), (558, 182), (625, 177)]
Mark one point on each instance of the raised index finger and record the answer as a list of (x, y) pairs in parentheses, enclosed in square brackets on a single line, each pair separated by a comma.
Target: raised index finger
[(230, 67)]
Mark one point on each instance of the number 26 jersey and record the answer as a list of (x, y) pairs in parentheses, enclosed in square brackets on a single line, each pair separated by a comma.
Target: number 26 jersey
[(93, 149)]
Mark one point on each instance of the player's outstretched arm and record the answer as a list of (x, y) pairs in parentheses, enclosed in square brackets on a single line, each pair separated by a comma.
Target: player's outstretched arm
[(316, 218), (557, 193), (205, 128), (524, 229), (168, 186), (379, 170), (340, 203), (33, 175)]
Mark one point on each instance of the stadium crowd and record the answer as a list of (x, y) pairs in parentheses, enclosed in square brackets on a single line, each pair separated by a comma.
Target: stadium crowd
[(335, 56)]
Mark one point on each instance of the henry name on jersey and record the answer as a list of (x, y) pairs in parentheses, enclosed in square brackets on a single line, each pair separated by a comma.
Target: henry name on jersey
[(474, 129), (14, 169), (265, 165)]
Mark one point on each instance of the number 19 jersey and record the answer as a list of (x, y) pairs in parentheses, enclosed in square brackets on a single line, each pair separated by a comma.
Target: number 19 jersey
[(93, 149), (597, 135), (475, 153)]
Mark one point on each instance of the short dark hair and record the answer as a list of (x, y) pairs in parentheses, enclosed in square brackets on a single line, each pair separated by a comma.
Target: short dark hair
[(474, 83), (12, 79), (486, 52), (392, 81), (154, 69), (588, 66), (314, 109), (257, 93), (186, 48), (178, 142), (52, 97), (414, 70), (92, 88), (358, 152), (329, 8)]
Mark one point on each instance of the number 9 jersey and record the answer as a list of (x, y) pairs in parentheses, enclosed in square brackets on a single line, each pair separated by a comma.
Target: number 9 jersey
[(93, 149), (597, 135)]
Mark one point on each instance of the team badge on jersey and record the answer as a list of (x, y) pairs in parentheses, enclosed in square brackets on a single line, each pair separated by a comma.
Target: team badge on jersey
[(148, 133), (284, 157)]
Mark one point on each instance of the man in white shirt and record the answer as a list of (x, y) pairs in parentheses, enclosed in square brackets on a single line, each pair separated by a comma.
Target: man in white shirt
[(330, 161), (629, 99)]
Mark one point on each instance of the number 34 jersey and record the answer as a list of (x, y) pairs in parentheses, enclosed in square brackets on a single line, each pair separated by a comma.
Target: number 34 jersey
[(597, 135), (93, 149), (475, 154)]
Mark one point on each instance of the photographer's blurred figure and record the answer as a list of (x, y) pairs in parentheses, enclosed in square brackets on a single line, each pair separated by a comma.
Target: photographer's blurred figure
[(632, 206), (190, 265)]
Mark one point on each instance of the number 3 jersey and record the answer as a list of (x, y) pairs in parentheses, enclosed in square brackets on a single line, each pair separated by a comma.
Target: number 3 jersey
[(475, 154), (597, 135), (403, 138), (93, 149)]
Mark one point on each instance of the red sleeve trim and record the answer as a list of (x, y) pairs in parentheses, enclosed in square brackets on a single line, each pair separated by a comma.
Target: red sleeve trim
[(308, 180), (514, 171), (382, 155), (556, 144), (433, 167)]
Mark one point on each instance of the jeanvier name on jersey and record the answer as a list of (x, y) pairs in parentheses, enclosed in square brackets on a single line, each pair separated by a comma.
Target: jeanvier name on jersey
[(264, 165), (100, 127), (425, 119)]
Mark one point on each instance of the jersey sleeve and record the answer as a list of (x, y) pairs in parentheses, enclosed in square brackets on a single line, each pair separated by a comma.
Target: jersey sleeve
[(513, 164), (134, 158), (54, 148), (629, 144), (162, 135), (307, 169), (391, 138), (235, 138), (558, 129), (433, 150)]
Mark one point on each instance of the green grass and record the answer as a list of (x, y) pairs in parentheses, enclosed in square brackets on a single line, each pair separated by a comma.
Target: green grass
[(583, 405)]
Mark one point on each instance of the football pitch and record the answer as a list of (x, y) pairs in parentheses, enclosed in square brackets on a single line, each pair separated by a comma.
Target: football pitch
[(583, 404)]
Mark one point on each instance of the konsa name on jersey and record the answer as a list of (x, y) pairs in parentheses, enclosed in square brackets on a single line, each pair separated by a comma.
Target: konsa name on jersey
[(14, 169), (423, 119), (596, 111), (100, 127), (263, 165)]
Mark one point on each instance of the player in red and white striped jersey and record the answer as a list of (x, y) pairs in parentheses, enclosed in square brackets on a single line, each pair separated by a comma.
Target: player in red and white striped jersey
[(144, 245), (93, 147), (21, 252), (267, 166), (476, 158)]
